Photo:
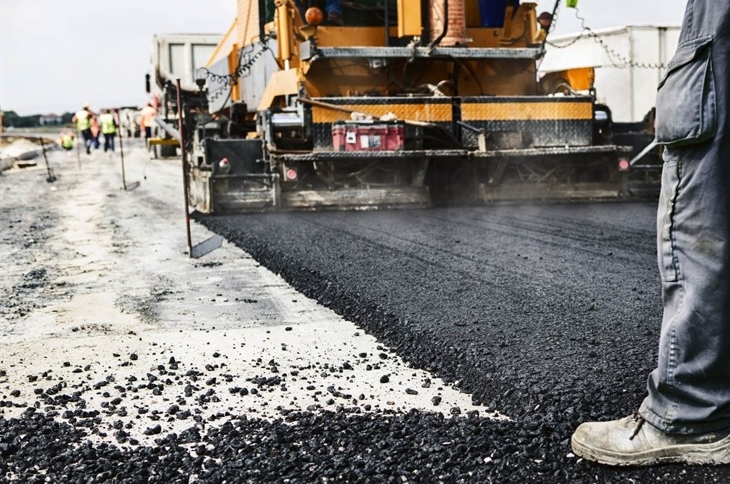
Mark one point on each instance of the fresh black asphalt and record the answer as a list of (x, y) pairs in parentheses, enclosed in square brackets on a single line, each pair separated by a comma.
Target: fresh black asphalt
[(549, 314)]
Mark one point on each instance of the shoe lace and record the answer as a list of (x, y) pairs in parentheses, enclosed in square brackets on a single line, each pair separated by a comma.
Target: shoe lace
[(639, 423)]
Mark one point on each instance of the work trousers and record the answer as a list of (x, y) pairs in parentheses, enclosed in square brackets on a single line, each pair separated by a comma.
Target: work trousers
[(689, 391), (108, 141), (88, 138)]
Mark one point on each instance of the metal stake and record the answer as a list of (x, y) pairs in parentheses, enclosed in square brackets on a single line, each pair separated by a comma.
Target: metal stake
[(212, 243), (51, 177)]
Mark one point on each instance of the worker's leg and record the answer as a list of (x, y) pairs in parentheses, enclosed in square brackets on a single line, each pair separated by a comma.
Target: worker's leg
[(86, 135), (689, 391), (686, 415), (108, 142)]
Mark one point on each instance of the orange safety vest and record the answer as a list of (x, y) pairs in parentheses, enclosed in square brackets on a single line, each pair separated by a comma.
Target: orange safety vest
[(147, 114)]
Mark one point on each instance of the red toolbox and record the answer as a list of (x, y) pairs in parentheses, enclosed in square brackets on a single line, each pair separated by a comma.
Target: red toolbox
[(368, 135)]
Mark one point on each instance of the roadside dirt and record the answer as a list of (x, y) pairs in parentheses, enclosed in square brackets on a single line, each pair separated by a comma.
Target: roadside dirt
[(100, 302)]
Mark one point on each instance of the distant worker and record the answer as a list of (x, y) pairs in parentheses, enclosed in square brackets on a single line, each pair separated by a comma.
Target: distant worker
[(108, 129), (95, 132), (147, 119), (67, 139), (82, 119)]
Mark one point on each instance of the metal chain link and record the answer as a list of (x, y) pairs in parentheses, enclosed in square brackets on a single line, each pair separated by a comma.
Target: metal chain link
[(229, 80), (613, 55), (554, 22)]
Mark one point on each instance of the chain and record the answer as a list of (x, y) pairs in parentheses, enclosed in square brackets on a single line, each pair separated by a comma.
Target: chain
[(229, 80), (613, 55), (556, 14), (563, 46)]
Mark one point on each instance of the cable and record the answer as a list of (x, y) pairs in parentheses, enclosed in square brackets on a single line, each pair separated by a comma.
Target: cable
[(613, 55)]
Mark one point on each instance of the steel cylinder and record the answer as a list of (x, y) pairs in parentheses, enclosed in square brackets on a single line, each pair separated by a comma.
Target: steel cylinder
[(453, 17)]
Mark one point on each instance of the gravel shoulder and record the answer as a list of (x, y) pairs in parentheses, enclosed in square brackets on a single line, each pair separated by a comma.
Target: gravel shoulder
[(114, 341)]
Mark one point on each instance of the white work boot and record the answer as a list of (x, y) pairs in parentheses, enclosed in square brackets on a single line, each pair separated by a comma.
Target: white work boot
[(632, 441)]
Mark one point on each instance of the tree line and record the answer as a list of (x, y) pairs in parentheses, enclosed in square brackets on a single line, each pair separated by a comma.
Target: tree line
[(11, 118)]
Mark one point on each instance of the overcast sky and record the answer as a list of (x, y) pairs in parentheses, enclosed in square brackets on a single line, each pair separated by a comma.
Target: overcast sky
[(57, 54)]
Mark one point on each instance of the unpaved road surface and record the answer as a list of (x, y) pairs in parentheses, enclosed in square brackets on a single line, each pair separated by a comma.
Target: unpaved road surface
[(123, 360)]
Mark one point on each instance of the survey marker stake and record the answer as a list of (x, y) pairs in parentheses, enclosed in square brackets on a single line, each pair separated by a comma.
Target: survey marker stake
[(51, 177), (212, 243), (78, 149), (134, 184), (205, 247)]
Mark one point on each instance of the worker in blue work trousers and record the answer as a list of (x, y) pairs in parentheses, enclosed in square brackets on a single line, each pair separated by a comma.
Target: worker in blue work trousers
[(108, 129), (82, 119), (686, 416)]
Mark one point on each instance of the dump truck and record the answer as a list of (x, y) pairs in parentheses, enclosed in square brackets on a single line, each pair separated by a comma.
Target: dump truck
[(405, 103), (175, 56)]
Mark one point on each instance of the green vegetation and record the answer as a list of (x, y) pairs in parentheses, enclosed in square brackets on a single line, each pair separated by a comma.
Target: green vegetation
[(12, 119)]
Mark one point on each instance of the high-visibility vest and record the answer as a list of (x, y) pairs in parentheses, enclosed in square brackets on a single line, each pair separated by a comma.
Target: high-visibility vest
[(147, 115), (67, 141), (83, 120), (108, 126)]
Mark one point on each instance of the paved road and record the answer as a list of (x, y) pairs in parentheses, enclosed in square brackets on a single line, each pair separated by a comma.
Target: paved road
[(546, 313)]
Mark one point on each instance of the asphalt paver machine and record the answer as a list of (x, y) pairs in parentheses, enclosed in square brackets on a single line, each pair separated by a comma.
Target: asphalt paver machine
[(396, 103)]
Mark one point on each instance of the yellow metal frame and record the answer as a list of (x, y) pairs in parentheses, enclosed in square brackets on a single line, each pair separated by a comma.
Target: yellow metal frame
[(336, 77), (282, 83), (433, 113), (162, 141), (409, 18), (533, 111)]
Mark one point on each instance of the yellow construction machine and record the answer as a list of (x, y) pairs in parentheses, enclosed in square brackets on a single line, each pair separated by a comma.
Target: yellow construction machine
[(393, 103)]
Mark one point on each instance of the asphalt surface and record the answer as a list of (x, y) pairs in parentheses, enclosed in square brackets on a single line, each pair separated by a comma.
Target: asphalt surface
[(114, 340), (547, 313)]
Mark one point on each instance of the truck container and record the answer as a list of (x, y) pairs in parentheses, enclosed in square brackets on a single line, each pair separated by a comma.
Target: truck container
[(629, 62), (180, 56), (175, 56)]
